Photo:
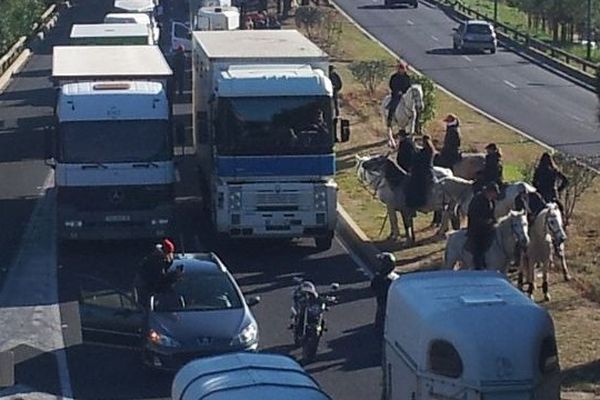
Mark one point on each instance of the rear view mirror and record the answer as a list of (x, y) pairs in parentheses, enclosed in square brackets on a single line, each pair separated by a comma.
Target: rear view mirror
[(252, 301)]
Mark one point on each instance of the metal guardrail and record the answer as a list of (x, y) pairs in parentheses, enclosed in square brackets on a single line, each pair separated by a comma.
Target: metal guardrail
[(15, 51), (526, 40)]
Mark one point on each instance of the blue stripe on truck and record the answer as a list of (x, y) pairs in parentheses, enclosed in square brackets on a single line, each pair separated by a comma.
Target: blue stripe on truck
[(305, 165)]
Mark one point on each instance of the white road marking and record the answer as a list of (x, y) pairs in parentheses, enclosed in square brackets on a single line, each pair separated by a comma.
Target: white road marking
[(576, 118), (408, 21), (509, 83), (467, 58), (435, 38), (365, 269)]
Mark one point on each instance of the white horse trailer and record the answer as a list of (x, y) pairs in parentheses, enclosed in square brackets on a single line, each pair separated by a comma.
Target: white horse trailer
[(245, 376), (467, 335)]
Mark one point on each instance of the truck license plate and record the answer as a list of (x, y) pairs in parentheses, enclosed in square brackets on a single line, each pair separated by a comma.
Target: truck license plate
[(117, 218)]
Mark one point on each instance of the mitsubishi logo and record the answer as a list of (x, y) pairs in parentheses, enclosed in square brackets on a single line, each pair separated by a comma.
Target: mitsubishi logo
[(116, 196)]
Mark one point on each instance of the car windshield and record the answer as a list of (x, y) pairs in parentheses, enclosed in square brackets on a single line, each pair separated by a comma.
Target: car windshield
[(482, 29), (199, 292), (114, 141), (274, 125)]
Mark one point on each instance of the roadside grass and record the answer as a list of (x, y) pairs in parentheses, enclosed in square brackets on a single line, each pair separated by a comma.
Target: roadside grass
[(574, 306), (517, 19)]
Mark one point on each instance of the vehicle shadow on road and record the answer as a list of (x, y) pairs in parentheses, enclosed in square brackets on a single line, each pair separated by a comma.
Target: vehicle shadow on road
[(373, 7), (367, 352)]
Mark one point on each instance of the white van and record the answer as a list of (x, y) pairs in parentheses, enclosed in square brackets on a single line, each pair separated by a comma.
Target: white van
[(208, 18), (467, 335), (134, 18), (245, 376), (111, 34)]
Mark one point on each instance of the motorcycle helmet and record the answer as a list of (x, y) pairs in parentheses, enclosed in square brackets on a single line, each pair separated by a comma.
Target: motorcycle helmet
[(308, 288)]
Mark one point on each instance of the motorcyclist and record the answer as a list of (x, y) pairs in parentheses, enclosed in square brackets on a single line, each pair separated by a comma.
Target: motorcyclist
[(421, 175), (154, 272), (399, 84), (303, 295), (481, 222), (380, 284)]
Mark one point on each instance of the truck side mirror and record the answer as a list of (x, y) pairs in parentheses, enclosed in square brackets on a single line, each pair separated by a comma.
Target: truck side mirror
[(345, 130), (49, 147)]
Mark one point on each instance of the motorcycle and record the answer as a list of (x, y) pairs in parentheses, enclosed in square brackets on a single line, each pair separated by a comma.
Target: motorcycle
[(308, 316)]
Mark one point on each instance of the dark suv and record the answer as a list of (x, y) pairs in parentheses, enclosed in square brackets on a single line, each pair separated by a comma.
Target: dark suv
[(475, 35), (391, 3)]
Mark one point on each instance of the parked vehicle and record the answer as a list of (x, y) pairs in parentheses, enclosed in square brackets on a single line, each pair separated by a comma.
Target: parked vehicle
[(391, 3), (467, 335), (111, 144), (204, 313), (135, 18), (264, 132), (111, 34), (475, 35), (245, 376), (308, 317)]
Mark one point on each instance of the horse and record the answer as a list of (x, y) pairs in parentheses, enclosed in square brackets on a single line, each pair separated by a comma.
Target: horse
[(469, 166), (547, 236), (406, 113), (506, 201), (510, 231), (388, 183)]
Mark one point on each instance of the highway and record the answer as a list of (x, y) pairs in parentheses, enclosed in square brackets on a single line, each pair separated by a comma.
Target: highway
[(37, 310), (505, 85)]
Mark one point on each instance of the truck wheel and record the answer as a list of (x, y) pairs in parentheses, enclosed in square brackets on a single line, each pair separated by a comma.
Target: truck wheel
[(311, 345), (324, 242), (493, 50)]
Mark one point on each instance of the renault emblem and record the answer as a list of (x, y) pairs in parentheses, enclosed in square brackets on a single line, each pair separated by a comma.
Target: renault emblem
[(116, 196)]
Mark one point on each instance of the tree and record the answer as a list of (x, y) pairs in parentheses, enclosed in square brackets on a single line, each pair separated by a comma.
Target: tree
[(331, 31), (428, 98), (369, 73), (16, 19), (309, 18)]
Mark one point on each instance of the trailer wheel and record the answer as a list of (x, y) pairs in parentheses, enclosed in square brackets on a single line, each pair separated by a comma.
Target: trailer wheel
[(324, 242)]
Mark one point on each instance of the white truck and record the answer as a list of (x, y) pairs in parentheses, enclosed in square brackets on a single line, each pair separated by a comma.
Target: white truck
[(264, 132), (135, 18), (111, 34), (111, 145)]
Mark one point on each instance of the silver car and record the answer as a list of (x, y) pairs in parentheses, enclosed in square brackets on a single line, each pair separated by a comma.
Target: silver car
[(474, 35), (203, 313)]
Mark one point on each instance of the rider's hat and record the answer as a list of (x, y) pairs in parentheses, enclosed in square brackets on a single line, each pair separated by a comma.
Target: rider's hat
[(167, 246), (451, 118), (491, 146), (402, 66)]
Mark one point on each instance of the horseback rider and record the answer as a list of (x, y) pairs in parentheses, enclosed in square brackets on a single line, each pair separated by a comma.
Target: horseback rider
[(399, 84), (421, 175), (406, 150), (481, 222), (450, 153), (380, 284), (492, 171), (549, 180)]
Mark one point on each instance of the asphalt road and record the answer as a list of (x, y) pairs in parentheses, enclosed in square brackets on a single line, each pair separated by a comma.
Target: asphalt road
[(39, 275), (505, 85)]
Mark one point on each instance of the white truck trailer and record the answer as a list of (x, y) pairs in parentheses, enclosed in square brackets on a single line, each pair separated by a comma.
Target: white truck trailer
[(111, 34), (111, 145), (264, 132)]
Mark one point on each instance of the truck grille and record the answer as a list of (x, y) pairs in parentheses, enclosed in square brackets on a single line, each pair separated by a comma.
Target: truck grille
[(277, 199), (115, 198)]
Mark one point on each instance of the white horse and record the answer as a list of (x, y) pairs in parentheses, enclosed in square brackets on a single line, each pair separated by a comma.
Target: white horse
[(388, 182), (406, 114), (510, 230), (548, 236), (506, 201)]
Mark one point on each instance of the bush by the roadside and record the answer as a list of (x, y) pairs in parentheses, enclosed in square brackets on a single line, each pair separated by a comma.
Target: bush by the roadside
[(16, 19)]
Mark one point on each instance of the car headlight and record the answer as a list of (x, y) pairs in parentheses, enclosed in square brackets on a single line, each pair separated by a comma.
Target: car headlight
[(248, 335), (161, 339), (235, 200)]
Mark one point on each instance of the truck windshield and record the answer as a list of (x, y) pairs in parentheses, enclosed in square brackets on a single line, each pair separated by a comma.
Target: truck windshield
[(274, 125), (114, 141)]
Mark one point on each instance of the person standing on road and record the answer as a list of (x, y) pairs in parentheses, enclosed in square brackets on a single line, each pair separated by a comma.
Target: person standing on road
[(153, 270), (399, 84), (481, 222), (179, 68), (383, 278)]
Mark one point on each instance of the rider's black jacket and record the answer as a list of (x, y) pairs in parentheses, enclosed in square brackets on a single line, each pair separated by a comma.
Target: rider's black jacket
[(399, 84)]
